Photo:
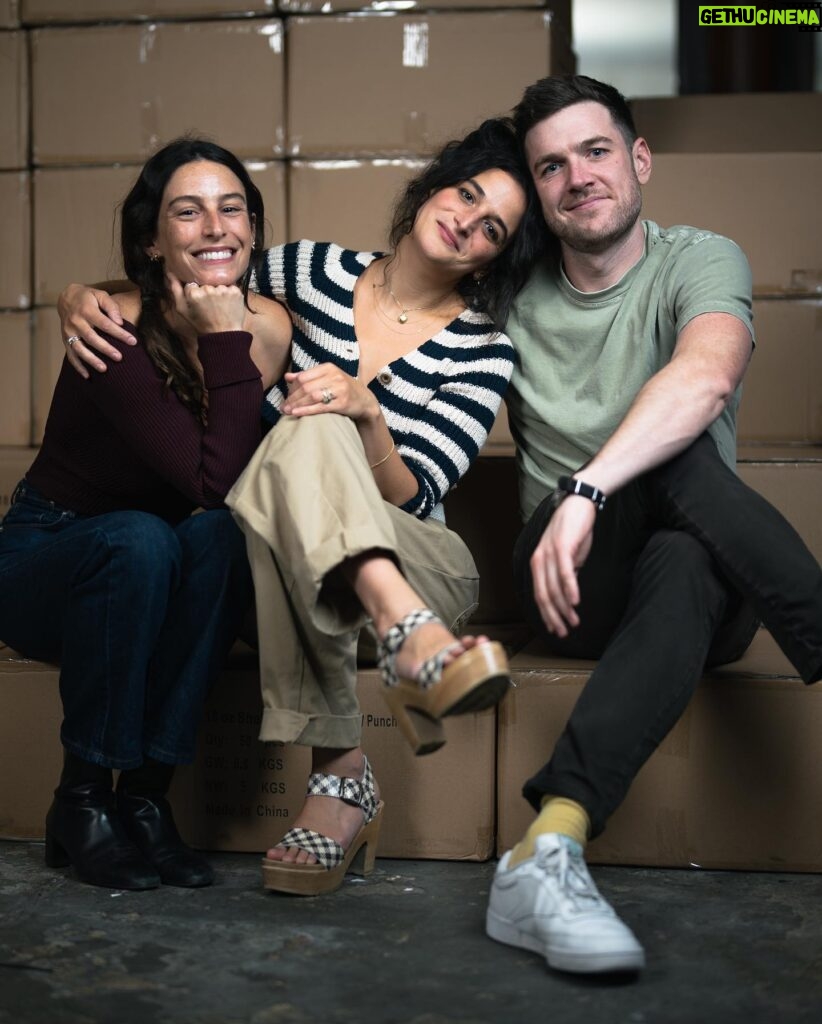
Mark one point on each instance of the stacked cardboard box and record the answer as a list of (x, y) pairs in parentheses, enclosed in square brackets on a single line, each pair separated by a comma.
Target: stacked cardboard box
[(730, 787), (44, 12), (242, 795), (9, 13)]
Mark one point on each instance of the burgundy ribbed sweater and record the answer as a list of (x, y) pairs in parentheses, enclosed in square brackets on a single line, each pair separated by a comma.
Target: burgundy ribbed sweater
[(122, 440)]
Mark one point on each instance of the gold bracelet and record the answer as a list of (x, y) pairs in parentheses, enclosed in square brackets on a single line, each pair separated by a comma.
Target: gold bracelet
[(385, 457)]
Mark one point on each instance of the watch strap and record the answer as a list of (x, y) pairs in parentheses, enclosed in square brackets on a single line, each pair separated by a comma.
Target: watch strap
[(570, 485)]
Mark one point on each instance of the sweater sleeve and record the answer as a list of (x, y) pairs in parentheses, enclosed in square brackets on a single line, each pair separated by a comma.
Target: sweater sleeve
[(199, 460), (439, 441), (270, 279)]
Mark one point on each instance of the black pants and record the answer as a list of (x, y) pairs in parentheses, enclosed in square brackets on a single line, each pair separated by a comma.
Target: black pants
[(684, 562)]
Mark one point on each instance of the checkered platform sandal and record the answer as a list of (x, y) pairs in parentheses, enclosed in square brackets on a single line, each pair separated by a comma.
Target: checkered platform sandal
[(474, 680), (333, 862)]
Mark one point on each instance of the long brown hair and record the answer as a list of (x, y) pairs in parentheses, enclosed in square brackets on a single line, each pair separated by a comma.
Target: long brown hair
[(139, 215), (493, 145)]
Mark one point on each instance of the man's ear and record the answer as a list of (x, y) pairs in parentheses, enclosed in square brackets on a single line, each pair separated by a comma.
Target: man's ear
[(641, 155)]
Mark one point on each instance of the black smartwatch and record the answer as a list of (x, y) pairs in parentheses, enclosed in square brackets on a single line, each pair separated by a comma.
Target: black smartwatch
[(568, 485)]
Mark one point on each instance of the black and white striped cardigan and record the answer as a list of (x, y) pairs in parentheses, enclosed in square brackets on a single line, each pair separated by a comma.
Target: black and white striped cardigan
[(439, 401)]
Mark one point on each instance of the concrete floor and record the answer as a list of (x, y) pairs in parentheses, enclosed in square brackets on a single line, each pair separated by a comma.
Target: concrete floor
[(405, 946)]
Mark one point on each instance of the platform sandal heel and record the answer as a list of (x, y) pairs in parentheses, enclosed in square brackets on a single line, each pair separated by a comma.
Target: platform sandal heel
[(423, 733), (476, 679), (333, 862)]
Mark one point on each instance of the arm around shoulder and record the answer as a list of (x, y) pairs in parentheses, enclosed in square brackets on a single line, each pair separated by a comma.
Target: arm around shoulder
[(86, 313)]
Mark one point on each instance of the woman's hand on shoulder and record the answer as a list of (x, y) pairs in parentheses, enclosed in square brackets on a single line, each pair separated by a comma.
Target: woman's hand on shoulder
[(83, 312), (327, 388), (209, 309)]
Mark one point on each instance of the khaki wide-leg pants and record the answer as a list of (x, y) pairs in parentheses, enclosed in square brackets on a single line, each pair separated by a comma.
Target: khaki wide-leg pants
[(306, 502)]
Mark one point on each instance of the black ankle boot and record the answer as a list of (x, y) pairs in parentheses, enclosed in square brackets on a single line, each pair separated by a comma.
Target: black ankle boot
[(82, 829), (147, 818)]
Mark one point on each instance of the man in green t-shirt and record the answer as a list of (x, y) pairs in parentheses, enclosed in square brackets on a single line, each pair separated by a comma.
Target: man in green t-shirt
[(632, 342)]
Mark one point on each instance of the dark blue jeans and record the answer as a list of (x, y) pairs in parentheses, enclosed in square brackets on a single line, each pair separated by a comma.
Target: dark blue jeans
[(138, 613), (684, 561)]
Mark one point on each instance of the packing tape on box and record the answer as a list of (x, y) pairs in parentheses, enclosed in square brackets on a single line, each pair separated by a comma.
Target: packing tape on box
[(415, 45)]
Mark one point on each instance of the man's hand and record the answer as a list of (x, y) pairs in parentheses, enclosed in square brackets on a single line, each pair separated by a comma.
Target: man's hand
[(561, 551), (83, 311)]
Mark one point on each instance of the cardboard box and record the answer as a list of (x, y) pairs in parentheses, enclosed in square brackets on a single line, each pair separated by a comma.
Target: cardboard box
[(558, 9), (37, 12), (30, 750), (239, 794), (370, 85), (270, 177), (765, 202), (781, 399), (77, 227), (790, 478), (346, 201), (15, 258), (436, 807), (14, 464), (47, 354), (161, 81), (243, 795), (730, 786), (9, 13), (14, 101), (77, 222), (15, 378), (761, 122)]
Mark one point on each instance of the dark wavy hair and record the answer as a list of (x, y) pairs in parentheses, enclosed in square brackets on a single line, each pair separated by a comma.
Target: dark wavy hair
[(550, 95), (140, 211), (492, 146)]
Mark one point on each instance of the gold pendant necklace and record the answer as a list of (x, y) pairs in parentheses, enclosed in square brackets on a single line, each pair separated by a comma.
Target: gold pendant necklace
[(405, 310)]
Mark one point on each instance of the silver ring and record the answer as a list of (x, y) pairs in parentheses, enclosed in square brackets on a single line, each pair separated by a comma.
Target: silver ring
[(327, 396), (72, 338)]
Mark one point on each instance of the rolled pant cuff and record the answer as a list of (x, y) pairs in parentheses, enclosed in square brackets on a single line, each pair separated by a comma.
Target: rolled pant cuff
[(279, 725)]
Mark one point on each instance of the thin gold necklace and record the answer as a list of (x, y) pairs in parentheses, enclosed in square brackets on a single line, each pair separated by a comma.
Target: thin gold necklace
[(405, 310), (390, 321)]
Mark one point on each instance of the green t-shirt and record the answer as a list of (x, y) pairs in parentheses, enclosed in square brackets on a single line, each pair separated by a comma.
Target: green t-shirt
[(583, 356)]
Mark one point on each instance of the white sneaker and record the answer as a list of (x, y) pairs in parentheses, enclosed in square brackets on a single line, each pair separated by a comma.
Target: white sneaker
[(550, 905)]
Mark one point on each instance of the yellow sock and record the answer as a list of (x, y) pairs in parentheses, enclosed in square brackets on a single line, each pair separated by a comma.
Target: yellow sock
[(557, 815)]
